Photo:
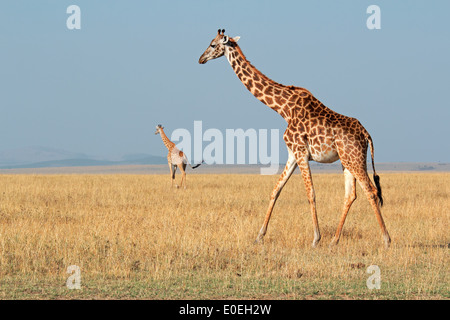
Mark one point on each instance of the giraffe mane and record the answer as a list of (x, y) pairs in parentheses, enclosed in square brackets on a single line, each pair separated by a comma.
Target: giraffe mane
[(259, 73)]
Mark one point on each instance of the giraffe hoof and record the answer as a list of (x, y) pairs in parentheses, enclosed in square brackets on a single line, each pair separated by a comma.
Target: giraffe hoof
[(315, 243), (387, 240), (259, 240), (334, 242)]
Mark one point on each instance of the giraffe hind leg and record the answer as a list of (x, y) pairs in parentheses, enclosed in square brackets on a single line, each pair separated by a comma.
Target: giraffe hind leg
[(350, 197), (372, 195)]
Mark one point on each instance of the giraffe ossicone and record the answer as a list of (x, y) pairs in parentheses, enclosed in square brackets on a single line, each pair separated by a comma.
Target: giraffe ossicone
[(314, 133)]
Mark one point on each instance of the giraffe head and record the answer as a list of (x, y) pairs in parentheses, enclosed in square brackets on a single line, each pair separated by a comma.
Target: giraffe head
[(159, 129), (217, 47)]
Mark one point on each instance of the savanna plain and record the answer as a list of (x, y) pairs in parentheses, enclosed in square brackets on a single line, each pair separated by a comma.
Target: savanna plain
[(135, 237)]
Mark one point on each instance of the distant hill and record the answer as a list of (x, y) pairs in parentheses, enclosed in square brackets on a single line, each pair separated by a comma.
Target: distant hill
[(43, 157), (35, 154), (40, 158)]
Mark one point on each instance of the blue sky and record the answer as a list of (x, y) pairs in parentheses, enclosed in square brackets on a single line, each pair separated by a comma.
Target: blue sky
[(134, 64)]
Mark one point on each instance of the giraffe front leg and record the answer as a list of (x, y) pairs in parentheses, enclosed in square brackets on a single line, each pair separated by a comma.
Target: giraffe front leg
[(291, 164), (172, 174), (307, 179), (173, 170), (183, 175)]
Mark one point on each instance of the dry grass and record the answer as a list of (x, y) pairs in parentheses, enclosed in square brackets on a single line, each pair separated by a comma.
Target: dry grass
[(134, 237)]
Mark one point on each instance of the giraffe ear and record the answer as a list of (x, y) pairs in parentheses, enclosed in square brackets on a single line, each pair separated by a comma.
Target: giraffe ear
[(236, 39), (225, 39)]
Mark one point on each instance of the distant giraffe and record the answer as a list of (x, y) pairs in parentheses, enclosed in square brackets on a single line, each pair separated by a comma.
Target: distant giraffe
[(175, 158), (314, 132)]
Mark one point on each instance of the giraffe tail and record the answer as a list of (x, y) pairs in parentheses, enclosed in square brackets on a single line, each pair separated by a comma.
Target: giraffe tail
[(197, 165), (376, 178), (185, 160)]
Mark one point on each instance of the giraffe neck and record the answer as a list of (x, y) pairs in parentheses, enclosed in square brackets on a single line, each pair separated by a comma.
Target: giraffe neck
[(278, 97), (169, 144)]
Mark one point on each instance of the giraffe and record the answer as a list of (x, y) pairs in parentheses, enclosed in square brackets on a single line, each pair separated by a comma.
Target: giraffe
[(175, 158), (314, 133)]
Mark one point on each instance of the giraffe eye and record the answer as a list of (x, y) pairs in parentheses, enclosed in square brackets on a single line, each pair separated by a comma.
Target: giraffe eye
[(213, 46)]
